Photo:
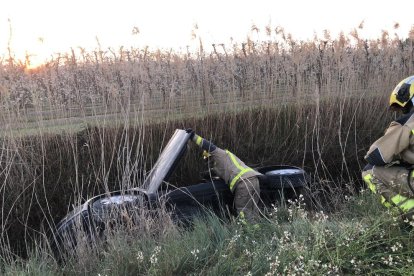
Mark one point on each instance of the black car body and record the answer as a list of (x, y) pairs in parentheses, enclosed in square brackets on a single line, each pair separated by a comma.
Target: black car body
[(184, 203)]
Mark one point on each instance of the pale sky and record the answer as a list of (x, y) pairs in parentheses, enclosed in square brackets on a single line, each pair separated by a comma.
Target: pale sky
[(168, 23)]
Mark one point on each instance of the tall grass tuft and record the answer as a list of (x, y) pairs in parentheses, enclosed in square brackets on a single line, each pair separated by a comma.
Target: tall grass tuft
[(290, 241)]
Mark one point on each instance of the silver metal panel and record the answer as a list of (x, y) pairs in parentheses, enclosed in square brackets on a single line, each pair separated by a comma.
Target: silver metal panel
[(167, 161)]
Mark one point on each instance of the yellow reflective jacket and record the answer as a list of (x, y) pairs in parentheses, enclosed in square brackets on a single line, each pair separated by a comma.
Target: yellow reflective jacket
[(226, 165), (397, 144)]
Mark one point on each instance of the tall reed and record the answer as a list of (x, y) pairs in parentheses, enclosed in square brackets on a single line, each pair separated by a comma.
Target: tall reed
[(86, 123)]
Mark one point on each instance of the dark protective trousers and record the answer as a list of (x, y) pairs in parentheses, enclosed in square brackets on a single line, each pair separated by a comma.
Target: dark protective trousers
[(392, 184), (246, 199)]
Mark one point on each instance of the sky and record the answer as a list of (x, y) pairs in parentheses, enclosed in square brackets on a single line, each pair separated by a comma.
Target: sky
[(42, 28)]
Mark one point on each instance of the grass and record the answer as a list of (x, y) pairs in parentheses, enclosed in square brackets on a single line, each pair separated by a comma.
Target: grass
[(291, 241)]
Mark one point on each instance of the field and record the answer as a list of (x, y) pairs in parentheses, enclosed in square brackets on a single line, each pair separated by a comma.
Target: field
[(92, 122)]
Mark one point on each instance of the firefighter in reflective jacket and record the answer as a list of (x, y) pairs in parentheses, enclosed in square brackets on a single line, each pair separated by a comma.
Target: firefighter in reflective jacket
[(389, 172), (242, 180)]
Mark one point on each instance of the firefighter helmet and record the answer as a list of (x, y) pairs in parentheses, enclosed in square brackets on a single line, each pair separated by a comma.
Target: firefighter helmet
[(402, 95)]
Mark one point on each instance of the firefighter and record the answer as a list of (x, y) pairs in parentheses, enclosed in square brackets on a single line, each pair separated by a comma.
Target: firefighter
[(242, 180), (389, 172)]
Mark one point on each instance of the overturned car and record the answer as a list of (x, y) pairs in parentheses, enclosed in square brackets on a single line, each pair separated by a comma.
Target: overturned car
[(87, 223)]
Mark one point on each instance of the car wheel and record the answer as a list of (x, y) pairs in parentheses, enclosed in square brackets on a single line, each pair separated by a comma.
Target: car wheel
[(290, 182)]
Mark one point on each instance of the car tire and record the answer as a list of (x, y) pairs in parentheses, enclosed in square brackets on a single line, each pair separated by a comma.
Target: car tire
[(285, 176), (291, 182)]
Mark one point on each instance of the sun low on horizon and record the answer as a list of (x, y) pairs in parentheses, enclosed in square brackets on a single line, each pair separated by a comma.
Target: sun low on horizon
[(40, 29)]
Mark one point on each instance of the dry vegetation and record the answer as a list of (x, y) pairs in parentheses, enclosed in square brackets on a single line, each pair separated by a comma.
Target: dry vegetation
[(87, 83), (88, 122)]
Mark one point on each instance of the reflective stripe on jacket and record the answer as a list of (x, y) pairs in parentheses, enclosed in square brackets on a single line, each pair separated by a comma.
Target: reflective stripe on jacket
[(225, 164)]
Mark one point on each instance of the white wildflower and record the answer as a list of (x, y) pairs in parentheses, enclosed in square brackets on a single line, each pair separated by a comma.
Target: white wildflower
[(154, 256), (140, 257), (396, 247), (273, 267), (388, 261), (247, 253), (321, 216), (195, 253)]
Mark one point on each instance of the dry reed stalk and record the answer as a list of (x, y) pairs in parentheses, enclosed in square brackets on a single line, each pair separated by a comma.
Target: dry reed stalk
[(93, 122)]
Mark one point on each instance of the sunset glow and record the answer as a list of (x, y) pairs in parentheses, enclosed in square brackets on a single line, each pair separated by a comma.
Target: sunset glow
[(40, 29)]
